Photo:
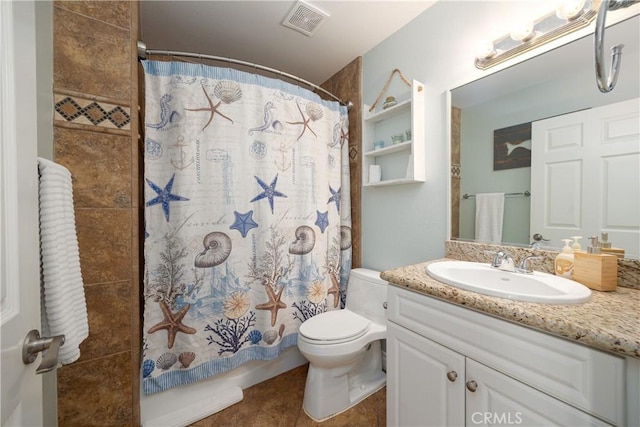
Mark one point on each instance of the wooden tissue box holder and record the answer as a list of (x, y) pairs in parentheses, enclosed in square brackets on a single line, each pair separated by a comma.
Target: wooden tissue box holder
[(596, 271)]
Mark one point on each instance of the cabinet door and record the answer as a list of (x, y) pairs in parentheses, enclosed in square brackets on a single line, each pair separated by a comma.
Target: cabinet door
[(497, 399), (425, 381)]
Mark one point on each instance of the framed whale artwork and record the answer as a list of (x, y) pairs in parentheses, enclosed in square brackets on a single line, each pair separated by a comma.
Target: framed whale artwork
[(512, 147)]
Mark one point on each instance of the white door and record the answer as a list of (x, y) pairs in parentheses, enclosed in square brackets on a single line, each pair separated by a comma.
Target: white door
[(494, 399), (425, 381), (19, 247), (585, 175)]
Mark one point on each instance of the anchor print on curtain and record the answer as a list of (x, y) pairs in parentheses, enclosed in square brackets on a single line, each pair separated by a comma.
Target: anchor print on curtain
[(247, 218)]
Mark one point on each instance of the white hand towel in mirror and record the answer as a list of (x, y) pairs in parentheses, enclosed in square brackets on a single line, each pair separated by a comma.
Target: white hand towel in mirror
[(489, 216)]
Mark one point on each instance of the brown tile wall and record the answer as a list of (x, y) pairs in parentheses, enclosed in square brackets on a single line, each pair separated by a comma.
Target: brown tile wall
[(346, 84), (95, 137), (456, 119)]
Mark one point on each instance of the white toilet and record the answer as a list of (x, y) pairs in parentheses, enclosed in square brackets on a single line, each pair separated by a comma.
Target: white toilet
[(343, 348)]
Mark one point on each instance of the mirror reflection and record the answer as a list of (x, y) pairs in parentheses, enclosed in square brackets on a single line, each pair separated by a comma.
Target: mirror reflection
[(519, 130)]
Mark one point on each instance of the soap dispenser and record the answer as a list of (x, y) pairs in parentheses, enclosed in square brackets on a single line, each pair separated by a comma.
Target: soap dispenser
[(576, 244), (563, 264)]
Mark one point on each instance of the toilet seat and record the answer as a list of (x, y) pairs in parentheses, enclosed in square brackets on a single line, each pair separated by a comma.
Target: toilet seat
[(334, 327)]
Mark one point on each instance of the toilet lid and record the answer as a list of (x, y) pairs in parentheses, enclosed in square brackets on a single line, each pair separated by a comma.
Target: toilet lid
[(336, 325)]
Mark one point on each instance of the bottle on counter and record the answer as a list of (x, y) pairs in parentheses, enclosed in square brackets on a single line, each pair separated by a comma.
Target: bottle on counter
[(577, 247), (564, 262)]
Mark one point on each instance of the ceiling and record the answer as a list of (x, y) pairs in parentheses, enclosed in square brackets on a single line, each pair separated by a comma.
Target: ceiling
[(252, 31)]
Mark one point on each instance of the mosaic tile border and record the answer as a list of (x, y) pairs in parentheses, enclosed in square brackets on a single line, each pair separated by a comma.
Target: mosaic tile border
[(89, 112), (353, 154), (455, 171)]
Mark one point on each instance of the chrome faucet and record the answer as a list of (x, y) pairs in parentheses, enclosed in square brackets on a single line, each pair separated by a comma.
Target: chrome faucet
[(503, 261), (524, 264)]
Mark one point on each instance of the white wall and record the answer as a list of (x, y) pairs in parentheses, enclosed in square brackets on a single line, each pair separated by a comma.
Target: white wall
[(44, 75), (408, 224), (44, 117)]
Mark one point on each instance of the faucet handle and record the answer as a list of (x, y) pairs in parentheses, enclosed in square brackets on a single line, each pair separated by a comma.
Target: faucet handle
[(524, 264), (498, 258), (506, 263)]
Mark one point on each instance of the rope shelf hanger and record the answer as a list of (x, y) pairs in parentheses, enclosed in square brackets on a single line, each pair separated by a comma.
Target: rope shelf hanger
[(386, 86)]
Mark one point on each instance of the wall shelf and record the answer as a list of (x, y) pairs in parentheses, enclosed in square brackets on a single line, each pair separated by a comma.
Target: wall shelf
[(390, 149), (401, 163), (387, 182), (389, 112)]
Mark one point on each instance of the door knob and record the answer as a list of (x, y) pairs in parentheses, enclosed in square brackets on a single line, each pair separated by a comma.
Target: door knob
[(34, 344), (539, 237)]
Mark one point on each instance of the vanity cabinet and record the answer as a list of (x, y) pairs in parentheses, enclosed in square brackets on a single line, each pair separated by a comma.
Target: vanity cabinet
[(400, 162), (425, 381), (451, 366)]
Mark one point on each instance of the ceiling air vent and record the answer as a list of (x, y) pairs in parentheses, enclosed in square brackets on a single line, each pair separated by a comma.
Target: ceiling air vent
[(305, 18)]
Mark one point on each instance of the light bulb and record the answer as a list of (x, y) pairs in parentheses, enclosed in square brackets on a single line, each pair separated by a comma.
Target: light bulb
[(485, 50), (570, 9), (523, 32)]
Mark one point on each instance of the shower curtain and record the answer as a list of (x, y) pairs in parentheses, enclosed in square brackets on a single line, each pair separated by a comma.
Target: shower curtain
[(247, 218)]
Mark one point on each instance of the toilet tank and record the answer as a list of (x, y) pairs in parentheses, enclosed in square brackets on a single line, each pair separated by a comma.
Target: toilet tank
[(367, 294)]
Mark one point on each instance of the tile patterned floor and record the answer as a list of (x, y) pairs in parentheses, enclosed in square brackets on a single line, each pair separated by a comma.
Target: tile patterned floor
[(278, 403)]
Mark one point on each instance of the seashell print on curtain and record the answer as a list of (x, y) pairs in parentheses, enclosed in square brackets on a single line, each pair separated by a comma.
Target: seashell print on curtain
[(247, 218)]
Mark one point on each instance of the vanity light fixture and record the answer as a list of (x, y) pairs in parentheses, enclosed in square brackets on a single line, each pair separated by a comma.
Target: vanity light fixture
[(486, 50), (572, 15), (570, 10), (523, 32)]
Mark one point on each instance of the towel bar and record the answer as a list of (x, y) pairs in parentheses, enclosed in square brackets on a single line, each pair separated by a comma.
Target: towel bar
[(525, 194)]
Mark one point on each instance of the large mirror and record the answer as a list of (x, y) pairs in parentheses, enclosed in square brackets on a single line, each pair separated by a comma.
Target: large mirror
[(486, 113)]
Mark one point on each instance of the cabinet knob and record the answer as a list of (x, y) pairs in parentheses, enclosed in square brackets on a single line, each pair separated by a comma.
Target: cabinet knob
[(472, 386), (452, 376)]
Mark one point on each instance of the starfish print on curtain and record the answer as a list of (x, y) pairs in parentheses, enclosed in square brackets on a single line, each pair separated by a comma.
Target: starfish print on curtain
[(322, 220), (172, 322), (164, 196), (344, 136), (274, 304), (335, 197), (244, 222), (305, 123), (334, 289), (213, 109), (269, 191)]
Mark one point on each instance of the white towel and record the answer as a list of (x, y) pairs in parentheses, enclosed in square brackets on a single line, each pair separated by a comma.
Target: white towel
[(489, 215), (64, 306)]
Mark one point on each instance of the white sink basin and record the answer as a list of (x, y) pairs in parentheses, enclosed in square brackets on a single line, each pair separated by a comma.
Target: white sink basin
[(482, 278)]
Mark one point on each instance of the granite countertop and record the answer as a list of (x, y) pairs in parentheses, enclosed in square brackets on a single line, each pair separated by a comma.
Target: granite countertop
[(608, 321)]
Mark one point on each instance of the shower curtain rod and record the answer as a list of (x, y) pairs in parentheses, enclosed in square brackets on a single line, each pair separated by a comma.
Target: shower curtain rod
[(143, 52)]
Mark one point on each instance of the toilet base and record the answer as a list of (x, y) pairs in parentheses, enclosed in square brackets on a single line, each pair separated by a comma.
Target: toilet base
[(331, 391), (380, 384)]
